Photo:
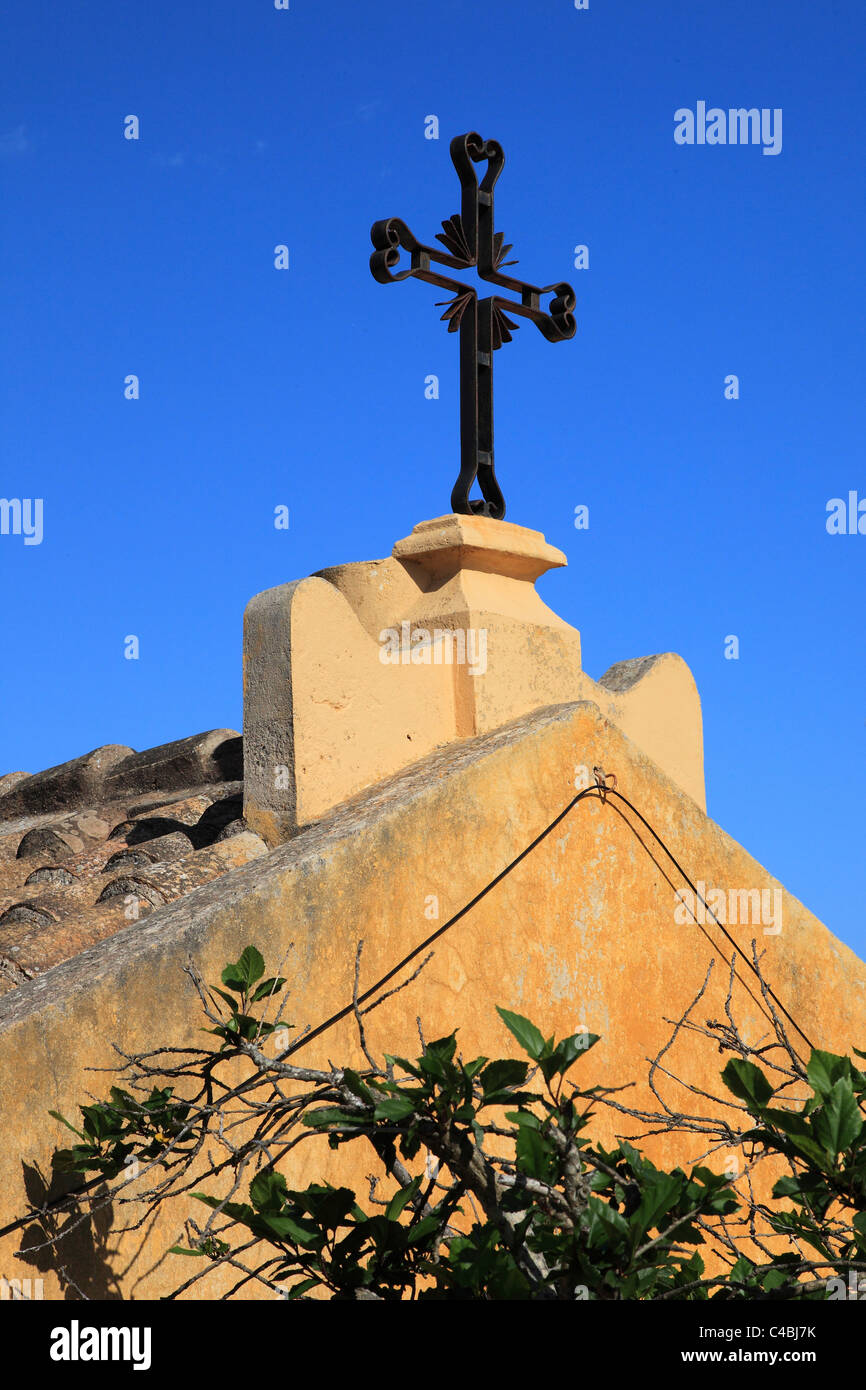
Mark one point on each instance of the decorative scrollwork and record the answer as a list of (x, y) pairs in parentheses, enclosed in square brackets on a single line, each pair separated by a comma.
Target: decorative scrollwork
[(469, 239)]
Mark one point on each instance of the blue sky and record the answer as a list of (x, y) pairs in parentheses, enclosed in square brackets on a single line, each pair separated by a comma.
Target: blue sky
[(305, 387)]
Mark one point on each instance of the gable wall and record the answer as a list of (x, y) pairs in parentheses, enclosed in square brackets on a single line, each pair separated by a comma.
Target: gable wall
[(582, 933)]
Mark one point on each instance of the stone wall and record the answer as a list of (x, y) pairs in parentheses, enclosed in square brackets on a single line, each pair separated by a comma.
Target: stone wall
[(583, 932)]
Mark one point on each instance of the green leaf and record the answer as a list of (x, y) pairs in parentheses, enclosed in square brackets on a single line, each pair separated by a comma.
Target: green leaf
[(100, 1121), (236, 1211), (802, 1146), (659, 1193), (232, 1003), (353, 1083), (332, 1115), (328, 1206), (839, 1122), (404, 1065), (402, 1199), (604, 1223), (234, 981), (425, 1227), (302, 1233), (747, 1082), (252, 964), (443, 1047), (824, 1070), (741, 1270), (774, 1279), (268, 1191), (499, 1076), (437, 1060), (558, 1060), (636, 1161), (297, 1289), (245, 971), (179, 1250), (535, 1155), (269, 987), (791, 1122), (526, 1033), (575, 1046), (395, 1108), (55, 1115), (471, 1069), (524, 1117)]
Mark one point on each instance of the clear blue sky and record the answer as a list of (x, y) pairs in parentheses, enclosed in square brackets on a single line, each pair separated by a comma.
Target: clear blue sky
[(305, 387)]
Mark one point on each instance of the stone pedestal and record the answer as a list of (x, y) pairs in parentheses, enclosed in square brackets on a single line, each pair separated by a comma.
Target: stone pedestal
[(364, 668), (477, 576)]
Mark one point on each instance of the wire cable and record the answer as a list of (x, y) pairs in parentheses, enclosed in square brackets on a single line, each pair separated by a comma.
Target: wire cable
[(600, 792), (611, 791)]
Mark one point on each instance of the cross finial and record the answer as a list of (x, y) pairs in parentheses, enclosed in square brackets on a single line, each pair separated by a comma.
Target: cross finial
[(470, 240)]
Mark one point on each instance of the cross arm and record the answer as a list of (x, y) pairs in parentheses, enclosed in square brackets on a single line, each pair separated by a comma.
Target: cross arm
[(558, 323), (389, 235)]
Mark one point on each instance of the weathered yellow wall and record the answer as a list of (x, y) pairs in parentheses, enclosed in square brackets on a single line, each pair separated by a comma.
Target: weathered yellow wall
[(324, 717), (581, 933)]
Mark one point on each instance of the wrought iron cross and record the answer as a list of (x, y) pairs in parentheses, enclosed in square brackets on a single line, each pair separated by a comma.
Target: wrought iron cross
[(470, 240)]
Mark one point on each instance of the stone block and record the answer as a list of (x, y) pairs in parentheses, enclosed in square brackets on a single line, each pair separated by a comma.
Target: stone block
[(215, 756), (60, 788), (364, 668)]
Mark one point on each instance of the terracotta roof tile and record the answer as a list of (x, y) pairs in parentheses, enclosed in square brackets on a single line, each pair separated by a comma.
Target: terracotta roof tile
[(10, 780), (92, 844), (188, 809)]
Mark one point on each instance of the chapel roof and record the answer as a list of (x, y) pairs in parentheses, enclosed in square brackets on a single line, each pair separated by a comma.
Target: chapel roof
[(107, 839)]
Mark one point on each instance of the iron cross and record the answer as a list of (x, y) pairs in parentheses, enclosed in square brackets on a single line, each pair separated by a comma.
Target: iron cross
[(470, 240)]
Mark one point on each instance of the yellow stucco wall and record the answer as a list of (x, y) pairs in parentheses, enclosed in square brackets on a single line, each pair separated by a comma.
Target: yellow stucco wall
[(583, 932), (359, 671)]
